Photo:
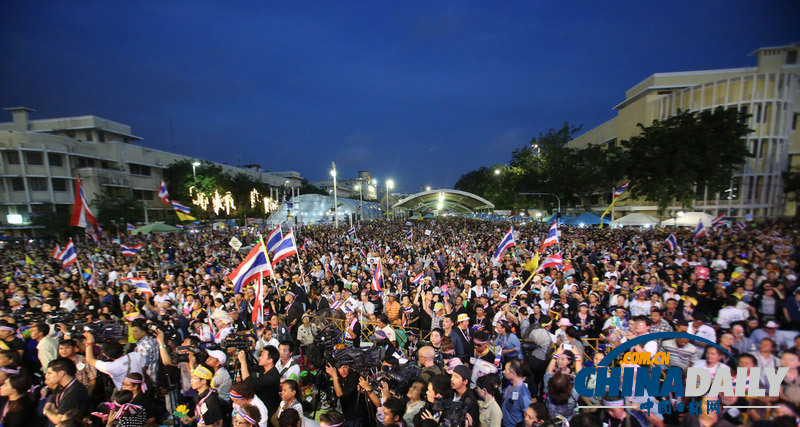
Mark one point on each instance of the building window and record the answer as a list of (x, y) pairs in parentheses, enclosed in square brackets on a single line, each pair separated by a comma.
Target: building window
[(84, 162), (791, 57), (139, 169), (12, 157), (71, 134), (17, 184), (34, 158), (101, 136), (55, 159), (89, 135), (743, 112), (143, 195), (794, 121), (59, 184), (38, 184)]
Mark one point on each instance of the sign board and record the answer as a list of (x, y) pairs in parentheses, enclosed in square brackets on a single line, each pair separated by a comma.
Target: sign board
[(427, 232), (702, 272), (748, 217), (235, 243)]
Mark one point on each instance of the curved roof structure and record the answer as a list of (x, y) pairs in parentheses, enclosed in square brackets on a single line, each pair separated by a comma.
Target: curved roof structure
[(455, 200)]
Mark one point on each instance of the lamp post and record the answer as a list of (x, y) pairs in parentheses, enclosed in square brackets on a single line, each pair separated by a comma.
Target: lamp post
[(335, 197), (389, 185), (194, 171)]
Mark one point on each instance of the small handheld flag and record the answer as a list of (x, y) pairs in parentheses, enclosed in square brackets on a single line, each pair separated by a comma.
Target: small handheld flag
[(718, 221), (377, 278), (140, 284), (68, 256), (415, 280), (56, 252), (507, 242), (162, 193), (410, 234), (699, 232), (552, 236), (351, 231), (671, 242), (130, 228), (130, 250), (551, 261)]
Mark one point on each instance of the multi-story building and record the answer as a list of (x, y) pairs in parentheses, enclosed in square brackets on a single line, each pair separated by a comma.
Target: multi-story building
[(363, 187), (39, 160), (768, 91)]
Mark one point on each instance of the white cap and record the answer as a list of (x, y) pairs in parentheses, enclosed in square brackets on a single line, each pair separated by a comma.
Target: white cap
[(219, 355)]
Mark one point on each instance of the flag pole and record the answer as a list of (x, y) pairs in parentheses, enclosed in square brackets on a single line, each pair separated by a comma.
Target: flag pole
[(611, 206), (299, 263), (264, 248), (522, 287)]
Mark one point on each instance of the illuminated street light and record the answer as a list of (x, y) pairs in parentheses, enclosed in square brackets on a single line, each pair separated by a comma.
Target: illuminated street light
[(335, 197)]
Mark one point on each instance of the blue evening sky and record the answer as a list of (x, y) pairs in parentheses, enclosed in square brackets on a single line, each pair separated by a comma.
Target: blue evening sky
[(417, 91)]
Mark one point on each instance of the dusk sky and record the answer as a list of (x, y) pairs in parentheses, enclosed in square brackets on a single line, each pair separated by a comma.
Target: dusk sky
[(420, 92)]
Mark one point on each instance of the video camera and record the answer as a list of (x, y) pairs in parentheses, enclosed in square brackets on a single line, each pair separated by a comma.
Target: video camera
[(182, 354), (103, 331), (240, 341), (398, 377), (453, 413)]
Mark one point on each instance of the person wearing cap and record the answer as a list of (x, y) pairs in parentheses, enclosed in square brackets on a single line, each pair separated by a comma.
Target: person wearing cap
[(208, 410), (463, 334), (221, 382), (462, 393)]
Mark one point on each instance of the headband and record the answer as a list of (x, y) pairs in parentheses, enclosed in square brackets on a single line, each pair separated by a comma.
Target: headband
[(235, 395), (479, 342), (7, 328), (9, 371), (135, 381), (248, 418), (203, 373)]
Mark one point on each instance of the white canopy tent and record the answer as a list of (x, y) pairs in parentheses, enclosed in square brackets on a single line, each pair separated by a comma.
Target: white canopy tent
[(689, 219), (635, 220)]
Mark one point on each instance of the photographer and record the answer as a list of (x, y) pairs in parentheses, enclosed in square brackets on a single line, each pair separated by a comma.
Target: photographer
[(147, 347), (266, 385), (427, 361), (465, 397), (167, 358), (345, 384), (120, 365)]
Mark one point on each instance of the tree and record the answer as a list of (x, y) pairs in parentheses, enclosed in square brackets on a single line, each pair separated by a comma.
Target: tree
[(671, 158), (117, 206)]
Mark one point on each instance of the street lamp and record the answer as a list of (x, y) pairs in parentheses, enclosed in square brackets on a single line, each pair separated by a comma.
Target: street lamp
[(335, 197), (497, 171), (428, 188), (389, 184), (194, 171)]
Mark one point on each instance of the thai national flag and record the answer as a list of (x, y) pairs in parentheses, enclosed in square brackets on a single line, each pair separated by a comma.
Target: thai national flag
[(130, 250), (410, 235), (162, 192), (17, 273), (284, 249), (336, 304), (671, 242), (699, 232), (741, 226), (361, 251), (141, 284), (621, 189), (69, 255), (507, 242), (56, 252), (377, 278), (551, 261), (552, 236), (81, 214), (415, 280), (351, 231), (130, 228), (252, 267), (372, 247), (718, 221), (179, 226), (274, 239), (182, 209)]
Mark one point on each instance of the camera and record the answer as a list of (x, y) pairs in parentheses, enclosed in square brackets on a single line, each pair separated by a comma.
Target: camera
[(398, 377), (182, 354), (104, 331), (239, 341), (453, 413)]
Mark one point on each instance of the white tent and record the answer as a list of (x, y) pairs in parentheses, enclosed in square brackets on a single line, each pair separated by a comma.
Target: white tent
[(636, 220), (689, 219)]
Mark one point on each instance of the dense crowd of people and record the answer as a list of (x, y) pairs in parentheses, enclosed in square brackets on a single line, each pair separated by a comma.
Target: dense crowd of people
[(448, 337)]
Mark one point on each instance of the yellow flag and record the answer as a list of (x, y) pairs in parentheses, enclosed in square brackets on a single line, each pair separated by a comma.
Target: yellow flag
[(28, 260), (533, 264), (184, 217)]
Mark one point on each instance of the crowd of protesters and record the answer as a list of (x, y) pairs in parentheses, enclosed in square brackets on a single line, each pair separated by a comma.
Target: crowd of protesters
[(492, 344)]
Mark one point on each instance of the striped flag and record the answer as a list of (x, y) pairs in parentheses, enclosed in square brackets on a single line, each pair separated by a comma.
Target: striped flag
[(130, 250), (162, 193), (621, 189), (56, 252), (336, 304), (361, 251), (507, 242), (699, 232), (179, 226), (551, 261), (181, 208), (407, 311), (410, 234), (718, 221), (552, 236), (377, 278), (741, 226), (285, 248), (255, 265), (17, 273), (141, 284), (372, 247), (415, 280), (81, 214), (130, 228), (671, 242), (274, 239), (69, 255), (351, 231)]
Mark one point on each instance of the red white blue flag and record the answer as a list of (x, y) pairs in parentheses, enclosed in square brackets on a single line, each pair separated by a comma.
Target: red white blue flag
[(130, 250), (551, 261), (255, 264), (141, 284), (274, 239), (69, 255), (162, 193), (621, 189), (377, 278), (718, 221), (699, 232), (284, 249), (507, 242), (81, 214), (671, 242), (552, 236)]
